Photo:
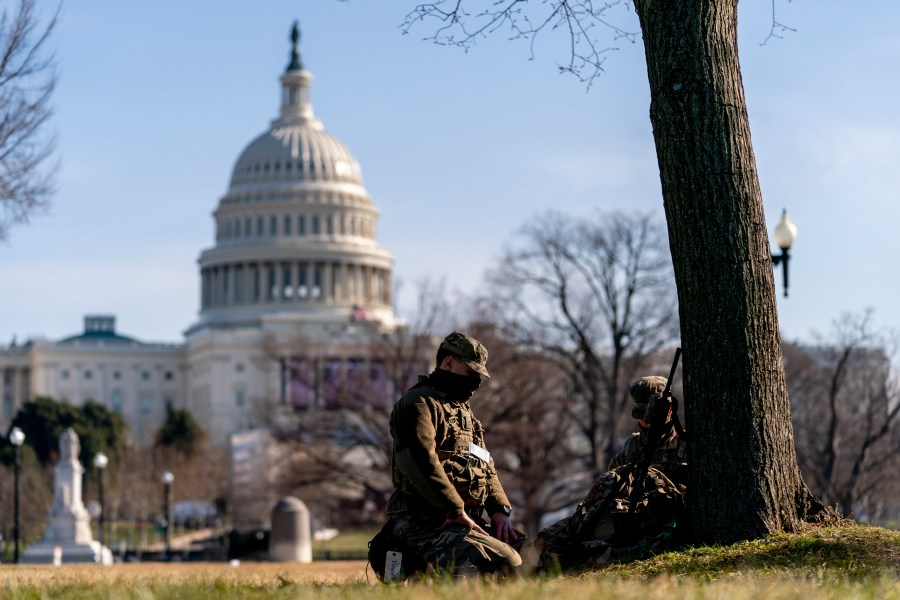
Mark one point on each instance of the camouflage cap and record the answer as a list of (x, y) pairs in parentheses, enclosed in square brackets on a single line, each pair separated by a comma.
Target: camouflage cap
[(469, 349), (642, 390)]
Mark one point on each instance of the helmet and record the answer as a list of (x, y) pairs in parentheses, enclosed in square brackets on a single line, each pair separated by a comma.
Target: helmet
[(643, 390)]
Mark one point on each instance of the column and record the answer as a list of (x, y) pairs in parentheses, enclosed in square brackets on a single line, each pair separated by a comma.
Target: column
[(232, 283), (214, 286), (346, 290), (327, 295), (310, 280), (17, 390), (278, 292), (204, 287), (295, 280), (261, 282), (248, 284), (358, 296)]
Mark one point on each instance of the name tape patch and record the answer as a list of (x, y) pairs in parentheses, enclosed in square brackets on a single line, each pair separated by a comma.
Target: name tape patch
[(479, 452)]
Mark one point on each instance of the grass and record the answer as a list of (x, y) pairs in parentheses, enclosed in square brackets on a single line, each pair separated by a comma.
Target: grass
[(836, 562), (347, 545)]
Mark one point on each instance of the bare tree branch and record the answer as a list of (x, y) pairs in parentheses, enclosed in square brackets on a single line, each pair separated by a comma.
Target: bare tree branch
[(27, 81), (582, 20)]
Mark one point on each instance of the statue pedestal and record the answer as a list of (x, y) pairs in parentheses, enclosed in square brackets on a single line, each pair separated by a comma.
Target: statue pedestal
[(45, 553)]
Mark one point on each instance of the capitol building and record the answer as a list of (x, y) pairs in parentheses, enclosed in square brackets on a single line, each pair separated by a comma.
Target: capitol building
[(295, 269)]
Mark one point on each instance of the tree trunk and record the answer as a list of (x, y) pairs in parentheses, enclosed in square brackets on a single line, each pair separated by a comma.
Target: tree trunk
[(744, 482)]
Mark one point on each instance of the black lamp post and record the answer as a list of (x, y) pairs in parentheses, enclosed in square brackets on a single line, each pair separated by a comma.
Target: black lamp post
[(16, 438), (167, 479), (785, 236), (100, 461)]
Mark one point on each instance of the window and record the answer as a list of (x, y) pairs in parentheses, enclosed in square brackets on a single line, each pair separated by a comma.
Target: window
[(117, 375), (239, 367), (146, 403), (145, 375), (169, 375), (301, 225), (115, 401), (260, 226), (64, 374), (239, 398), (273, 226), (248, 227), (88, 374), (287, 225), (315, 225)]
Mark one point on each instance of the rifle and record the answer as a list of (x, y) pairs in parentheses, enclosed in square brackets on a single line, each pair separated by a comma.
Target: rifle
[(657, 414)]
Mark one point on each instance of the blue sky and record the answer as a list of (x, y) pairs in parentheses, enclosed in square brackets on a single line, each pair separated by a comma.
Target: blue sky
[(458, 149)]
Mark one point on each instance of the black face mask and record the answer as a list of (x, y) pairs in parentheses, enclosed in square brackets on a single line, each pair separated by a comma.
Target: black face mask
[(458, 387)]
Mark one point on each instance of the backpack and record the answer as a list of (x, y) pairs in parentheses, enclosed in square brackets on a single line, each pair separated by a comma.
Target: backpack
[(386, 546)]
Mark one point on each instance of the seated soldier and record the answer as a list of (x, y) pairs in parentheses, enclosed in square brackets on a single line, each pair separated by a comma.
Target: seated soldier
[(670, 450), (627, 507)]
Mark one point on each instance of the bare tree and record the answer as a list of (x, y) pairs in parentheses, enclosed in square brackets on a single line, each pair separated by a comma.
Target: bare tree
[(527, 429), (743, 457), (846, 407), (27, 80), (595, 296)]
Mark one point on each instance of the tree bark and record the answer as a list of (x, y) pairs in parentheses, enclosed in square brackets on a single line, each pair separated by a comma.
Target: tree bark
[(745, 481)]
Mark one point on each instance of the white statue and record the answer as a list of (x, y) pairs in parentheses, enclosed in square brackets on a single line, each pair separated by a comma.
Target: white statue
[(68, 522)]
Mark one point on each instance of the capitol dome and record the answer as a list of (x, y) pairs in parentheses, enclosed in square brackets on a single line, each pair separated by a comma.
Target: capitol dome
[(295, 152), (295, 233)]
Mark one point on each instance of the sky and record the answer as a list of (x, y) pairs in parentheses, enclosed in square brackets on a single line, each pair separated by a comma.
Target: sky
[(459, 150)]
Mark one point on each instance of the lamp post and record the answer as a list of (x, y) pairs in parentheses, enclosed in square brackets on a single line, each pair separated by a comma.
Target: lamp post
[(16, 438), (785, 236), (100, 461), (167, 479)]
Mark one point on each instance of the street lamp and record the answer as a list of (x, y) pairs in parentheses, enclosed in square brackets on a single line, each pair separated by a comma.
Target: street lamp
[(100, 461), (785, 236), (16, 438), (167, 479)]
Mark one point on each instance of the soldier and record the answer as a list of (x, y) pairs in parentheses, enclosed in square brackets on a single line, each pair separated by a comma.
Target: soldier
[(606, 520), (670, 450), (444, 477)]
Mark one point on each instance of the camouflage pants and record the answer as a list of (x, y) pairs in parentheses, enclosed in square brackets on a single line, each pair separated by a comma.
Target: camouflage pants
[(456, 549), (605, 518)]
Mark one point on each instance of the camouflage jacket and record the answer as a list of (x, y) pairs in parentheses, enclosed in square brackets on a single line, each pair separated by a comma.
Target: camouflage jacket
[(671, 451), (435, 471)]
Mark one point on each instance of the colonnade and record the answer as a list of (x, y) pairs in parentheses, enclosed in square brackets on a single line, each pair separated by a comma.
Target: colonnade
[(14, 385), (290, 281)]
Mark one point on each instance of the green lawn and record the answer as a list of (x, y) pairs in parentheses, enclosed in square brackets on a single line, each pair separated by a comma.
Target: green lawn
[(837, 562), (347, 545)]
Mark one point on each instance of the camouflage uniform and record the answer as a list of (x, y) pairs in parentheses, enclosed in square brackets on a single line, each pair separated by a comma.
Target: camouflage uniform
[(605, 520), (437, 473), (668, 456)]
